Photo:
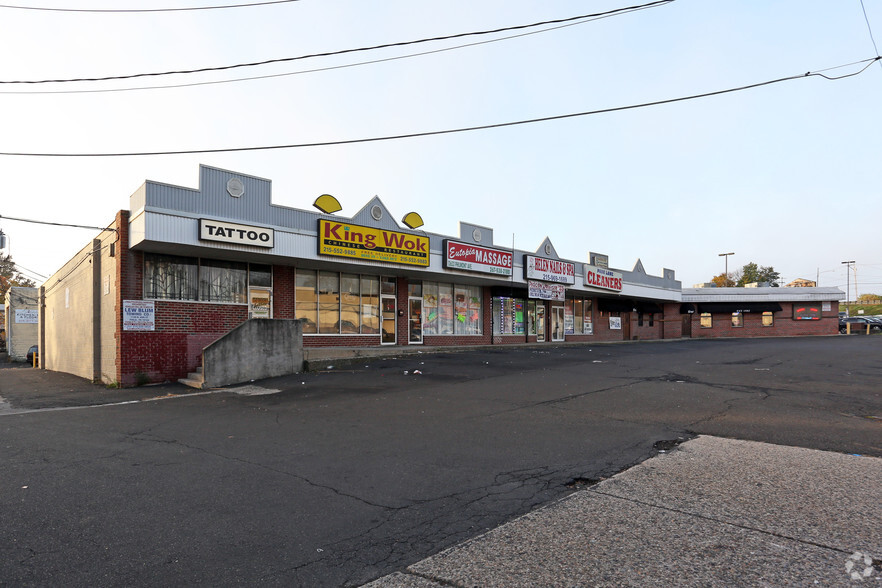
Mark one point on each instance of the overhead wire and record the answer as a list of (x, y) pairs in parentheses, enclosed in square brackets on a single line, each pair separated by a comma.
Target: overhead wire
[(870, 29), (319, 69), (139, 10), (342, 51), (808, 74)]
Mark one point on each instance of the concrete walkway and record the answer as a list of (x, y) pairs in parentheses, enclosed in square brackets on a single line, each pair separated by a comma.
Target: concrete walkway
[(711, 512)]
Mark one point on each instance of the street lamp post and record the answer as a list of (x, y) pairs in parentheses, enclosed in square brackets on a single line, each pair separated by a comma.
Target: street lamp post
[(847, 285), (726, 255)]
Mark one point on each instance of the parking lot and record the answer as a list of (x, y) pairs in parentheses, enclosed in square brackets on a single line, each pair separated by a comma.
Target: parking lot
[(344, 475)]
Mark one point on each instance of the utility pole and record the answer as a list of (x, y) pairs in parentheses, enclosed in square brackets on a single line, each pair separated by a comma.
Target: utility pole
[(726, 255), (848, 265)]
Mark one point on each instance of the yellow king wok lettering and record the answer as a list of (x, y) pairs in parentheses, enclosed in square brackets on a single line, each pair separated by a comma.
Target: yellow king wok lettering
[(370, 244)]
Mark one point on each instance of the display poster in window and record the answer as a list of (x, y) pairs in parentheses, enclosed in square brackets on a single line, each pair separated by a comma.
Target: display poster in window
[(588, 327), (139, 315), (260, 304), (549, 270), (615, 323), (826, 306), (474, 258), (370, 244), (544, 291), (569, 321)]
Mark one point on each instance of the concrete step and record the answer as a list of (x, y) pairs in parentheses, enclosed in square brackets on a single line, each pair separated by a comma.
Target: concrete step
[(194, 380)]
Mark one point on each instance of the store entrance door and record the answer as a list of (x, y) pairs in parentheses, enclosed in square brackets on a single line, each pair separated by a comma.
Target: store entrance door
[(686, 331), (557, 323), (388, 320), (415, 321), (540, 322)]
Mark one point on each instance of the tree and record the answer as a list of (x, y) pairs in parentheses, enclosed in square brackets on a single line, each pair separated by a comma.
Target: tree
[(751, 273), (724, 280), (868, 298), (10, 277)]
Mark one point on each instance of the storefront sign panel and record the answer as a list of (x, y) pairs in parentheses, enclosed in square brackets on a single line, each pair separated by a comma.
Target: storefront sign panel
[(26, 316), (474, 258), (139, 315), (212, 230), (549, 270), (615, 323), (544, 291), (370, 244), (602, 278)]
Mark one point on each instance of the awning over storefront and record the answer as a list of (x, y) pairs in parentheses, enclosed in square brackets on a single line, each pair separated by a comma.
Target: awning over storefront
[(730, 307), (615, 305), (649, 308)]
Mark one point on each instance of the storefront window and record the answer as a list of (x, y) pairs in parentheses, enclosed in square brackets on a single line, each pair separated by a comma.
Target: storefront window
[(450, 309), (445, 309), (768, 319), (223, 281), (509, 316), (305, 302), (370, 305), (170, 277), (569, 318), (260, 275), (587, 324), (737, 319), (430, 308), (332, 303), (707, 320), (349, 304), (329, 302), (531, 317)]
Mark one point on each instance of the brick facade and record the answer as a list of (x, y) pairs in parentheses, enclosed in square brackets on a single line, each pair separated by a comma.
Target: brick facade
[(183, 329), (783, 326)]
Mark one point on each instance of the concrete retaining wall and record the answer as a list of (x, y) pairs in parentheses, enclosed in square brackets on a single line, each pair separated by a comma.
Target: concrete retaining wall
[(258, 348)]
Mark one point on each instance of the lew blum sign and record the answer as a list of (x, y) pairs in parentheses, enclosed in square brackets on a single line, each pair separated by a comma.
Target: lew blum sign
[(211, 230)]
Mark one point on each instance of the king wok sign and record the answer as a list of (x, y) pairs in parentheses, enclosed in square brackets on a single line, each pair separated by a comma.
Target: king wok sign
[(370, 244)]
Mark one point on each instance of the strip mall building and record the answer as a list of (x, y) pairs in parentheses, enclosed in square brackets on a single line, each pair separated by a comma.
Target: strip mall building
[(182, 267)]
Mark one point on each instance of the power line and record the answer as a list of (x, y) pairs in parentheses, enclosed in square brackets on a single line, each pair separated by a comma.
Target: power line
[(457, 130), (870, 29), (136, 10), (26, 220), (344, 51), (319, 69)]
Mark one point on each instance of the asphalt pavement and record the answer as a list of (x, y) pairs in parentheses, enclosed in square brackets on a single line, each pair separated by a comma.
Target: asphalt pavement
[(693, 463)]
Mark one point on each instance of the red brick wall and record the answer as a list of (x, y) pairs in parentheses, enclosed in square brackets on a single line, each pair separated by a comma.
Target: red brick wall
[(784, 325), (283, 292)]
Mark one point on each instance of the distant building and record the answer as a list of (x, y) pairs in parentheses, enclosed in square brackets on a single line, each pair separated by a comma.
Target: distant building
[(22, 313), (802, 283), (705, 285)]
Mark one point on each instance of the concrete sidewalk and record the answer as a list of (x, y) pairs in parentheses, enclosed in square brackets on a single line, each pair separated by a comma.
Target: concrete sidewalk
[(712, 512)]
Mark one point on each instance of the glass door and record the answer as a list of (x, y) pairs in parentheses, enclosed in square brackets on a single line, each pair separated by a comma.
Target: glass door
[(540, 322), (557, 323), (415, 320), (387, 304)]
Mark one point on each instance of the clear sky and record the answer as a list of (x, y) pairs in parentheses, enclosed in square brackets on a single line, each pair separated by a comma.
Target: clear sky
[(786, 174)]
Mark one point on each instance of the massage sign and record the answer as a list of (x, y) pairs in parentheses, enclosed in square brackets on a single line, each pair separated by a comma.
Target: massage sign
[(474, 258), (370, 244)]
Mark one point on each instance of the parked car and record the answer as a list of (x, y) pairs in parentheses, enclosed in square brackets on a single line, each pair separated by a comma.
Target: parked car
[(34, 351)]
